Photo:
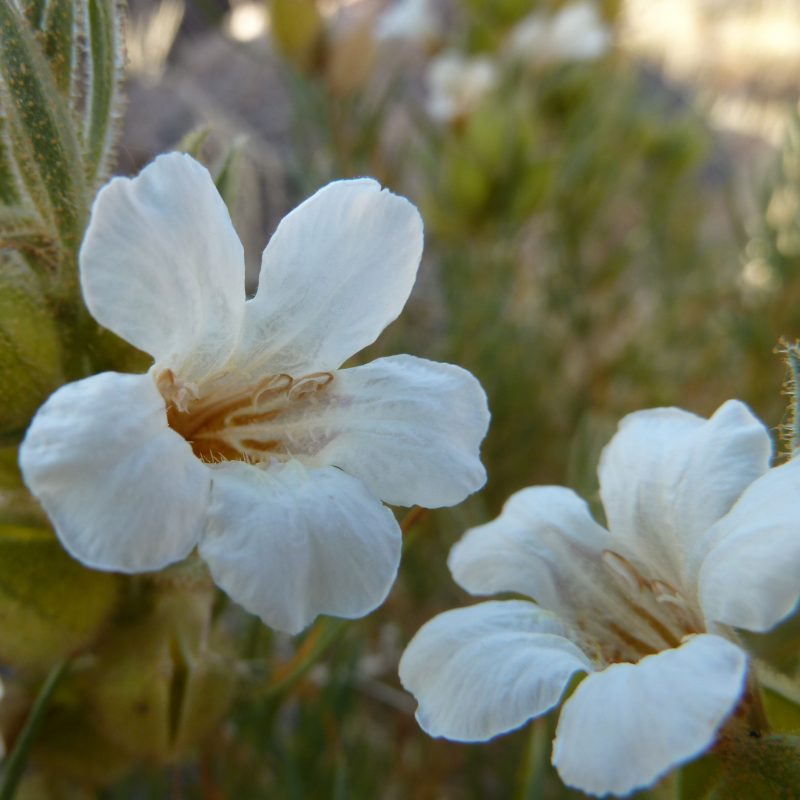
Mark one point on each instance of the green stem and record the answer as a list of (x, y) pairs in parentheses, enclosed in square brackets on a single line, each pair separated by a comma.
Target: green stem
[(329, 632), (531, 779), (18, 758)]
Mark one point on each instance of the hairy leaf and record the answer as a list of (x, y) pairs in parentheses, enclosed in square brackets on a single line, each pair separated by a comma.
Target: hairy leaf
[(104, 91), (42, 121)]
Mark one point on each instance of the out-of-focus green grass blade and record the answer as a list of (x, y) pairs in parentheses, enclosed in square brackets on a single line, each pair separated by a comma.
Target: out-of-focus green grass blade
[(104, 91), (43, 123)]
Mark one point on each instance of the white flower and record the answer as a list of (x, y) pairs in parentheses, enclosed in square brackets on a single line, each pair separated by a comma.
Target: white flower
[(574, 33), (457, 84), (246, 438), (701, 535), (408, 20)]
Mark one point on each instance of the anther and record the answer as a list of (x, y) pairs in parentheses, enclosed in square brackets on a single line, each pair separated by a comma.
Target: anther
[(623, 572)]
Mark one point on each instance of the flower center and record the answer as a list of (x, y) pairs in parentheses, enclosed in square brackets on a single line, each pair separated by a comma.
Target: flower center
[(254, 424), (657, 616)]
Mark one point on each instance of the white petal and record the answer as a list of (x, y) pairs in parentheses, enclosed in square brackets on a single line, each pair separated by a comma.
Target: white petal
[(627, 726), (668, 475), (289, 543), (545, 545), (487, 669), (410, 429), (335, 273), (751, 576), (162, 267), (124, 491)]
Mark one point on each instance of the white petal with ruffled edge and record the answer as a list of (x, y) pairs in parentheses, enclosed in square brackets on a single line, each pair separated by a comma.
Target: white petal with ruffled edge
[(625, 727), (336, 272), (409, 428), (668, 475), (751, 575), (124, 491), (487, 669), (161, 266), (544, 544), (289, 543)]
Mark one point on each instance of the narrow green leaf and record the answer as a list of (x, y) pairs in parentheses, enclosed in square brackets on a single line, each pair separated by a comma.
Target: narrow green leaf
[(14, 767), (192, 143), (21, 229), (34, 12), (58, 41), (104, 98), (9, 186), (42, 119), (229, 175)]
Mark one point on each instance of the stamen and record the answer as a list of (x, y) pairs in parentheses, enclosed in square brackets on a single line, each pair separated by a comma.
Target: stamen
[(642, 648), (310, 384), (242, 425), (271, 387), (623, 572)]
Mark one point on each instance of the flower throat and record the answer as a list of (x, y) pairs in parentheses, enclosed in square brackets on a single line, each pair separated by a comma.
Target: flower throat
[(254, 424)]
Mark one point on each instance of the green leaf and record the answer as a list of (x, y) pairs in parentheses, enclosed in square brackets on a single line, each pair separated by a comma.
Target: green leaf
[(228, 177), (9, 185), (104, 97), (41, 126), (192, 143), (34, 12), (21, 229), (58, 42)]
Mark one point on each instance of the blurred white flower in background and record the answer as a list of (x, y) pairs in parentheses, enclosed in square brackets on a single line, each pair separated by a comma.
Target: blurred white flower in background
[(701, 535), (576, 32), (246, 438), (409, 21), (457, 84)]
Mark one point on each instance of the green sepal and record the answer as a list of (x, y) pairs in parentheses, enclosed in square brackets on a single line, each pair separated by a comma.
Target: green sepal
[(50, 605), (164, 681), (30, 348), (746, 768), (766, 768), (68, 748), (699, 779)]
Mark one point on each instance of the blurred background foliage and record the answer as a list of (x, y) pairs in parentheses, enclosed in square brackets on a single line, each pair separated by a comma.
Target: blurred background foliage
[(612, 222)]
